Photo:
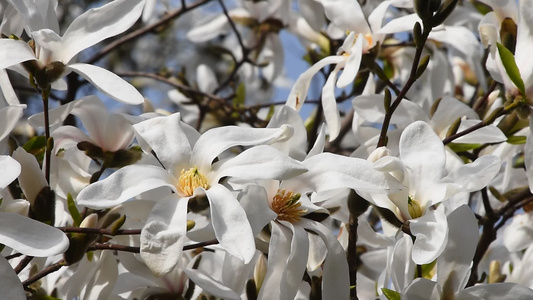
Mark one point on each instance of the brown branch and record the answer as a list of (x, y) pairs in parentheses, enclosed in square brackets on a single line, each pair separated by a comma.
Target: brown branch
[(142, 31), (50, 269), (100, 231)]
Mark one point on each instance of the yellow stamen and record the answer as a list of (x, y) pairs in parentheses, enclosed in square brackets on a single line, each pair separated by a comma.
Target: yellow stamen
[(190, 180), (286, 204)]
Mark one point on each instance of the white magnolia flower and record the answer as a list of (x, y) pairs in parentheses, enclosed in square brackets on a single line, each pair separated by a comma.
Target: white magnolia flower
[(348, 59), (189, 170), (421, 168), (21, 233), (53, 55)]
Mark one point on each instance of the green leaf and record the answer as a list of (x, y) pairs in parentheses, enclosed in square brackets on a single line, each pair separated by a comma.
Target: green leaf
[(390, 294), (517, 140), (511, 68), (36, 146), (74, 213), (427, 269), (240, 95), (460, 147)]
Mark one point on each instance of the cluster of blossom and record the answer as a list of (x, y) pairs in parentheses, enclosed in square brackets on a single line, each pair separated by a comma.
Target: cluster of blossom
[(423, 189)]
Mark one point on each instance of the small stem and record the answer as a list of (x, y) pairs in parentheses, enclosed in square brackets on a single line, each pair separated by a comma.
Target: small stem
[(352, 255), (23, 263), (100, 231), (50, 269), (48, 153), (400, 96)]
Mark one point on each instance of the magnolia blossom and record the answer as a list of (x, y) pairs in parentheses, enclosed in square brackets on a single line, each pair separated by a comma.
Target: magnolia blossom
[(348, 58), (189, 170), (53, 55), (421, 168), (21, 233)]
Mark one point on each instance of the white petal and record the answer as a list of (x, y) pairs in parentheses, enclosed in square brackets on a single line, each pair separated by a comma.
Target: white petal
[(291, 278), (109, 83), (422, 152), (487, 134), (475, 176), (31, 177), (10, 170), (352, 63), (431, 231), (404, 23), (101, 284), (335, 279), (329, 104), (98, 24), (299, 91), (210, 284), (164, 234), (230, 223), (207, 80), (8, 91), (329, 171), (206, 31), (124, 184), (31, 237), (261, 162), (402, 266), (9, 282), (14, 52), (56, 115), (453, 266), (524, 42), (518, 234), (254, 201), (217, 140), (422, 289), (280, 245), (168, 138), (346, 14), (295, 146), (496, 291)]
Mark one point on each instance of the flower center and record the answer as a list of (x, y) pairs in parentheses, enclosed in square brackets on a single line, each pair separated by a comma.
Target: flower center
[(287, 206), (415, 210), (190, 180)]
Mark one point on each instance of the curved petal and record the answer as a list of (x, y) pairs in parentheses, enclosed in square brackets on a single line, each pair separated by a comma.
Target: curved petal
[(210, 284), (260, 162), (231, 226), (14, 52), (31, 177), (217, 140), (208, 30), (346, 14), (9, 282), (9, 93), (329, 171), (98, 24), (164, 234), (453, 266), (352, 63), (125, 183), (402, 266), (422, 152), (165, 135), (296, 263), (431, 231), (10, 170), (422, 289), (335, 279), (476, 175), (300, 88), (295, 146), (254, 201), (496, 291), (280, 244), (109, 83), (329, 104), (31, 237)]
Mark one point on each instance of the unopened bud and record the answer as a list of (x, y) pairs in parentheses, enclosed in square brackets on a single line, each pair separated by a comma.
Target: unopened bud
[(378, 153), (495, 272)]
